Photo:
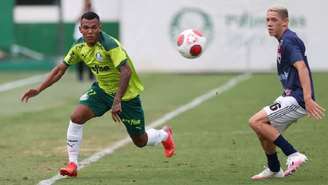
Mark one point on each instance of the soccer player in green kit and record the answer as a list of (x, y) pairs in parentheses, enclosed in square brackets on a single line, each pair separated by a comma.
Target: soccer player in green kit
[(117, 88)]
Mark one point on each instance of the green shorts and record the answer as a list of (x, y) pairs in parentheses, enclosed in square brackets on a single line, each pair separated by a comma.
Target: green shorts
[(132, 114)]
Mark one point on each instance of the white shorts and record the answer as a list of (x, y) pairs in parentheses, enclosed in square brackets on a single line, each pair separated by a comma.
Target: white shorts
[(283, 112)]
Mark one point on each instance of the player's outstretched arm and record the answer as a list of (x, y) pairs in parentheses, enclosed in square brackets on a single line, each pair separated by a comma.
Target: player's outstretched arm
[(55, 74), (313, 109)]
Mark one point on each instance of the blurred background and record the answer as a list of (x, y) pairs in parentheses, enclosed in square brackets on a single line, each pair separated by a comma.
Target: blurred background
[(34, 33)]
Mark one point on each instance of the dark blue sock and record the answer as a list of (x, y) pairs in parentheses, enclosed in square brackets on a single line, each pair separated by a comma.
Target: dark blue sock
[(273, 162), (283, 144)]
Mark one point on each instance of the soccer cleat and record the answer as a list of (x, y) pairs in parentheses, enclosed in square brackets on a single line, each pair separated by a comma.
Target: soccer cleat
[(168, 144), (294, 161), (70, 170), (267, 173)]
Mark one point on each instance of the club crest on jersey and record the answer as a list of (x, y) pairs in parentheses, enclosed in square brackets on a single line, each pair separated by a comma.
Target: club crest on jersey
[(99, 57)]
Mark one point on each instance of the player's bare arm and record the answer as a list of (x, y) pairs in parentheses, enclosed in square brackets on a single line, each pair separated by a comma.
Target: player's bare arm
[(125, 74), (313, 109), (55, 74)]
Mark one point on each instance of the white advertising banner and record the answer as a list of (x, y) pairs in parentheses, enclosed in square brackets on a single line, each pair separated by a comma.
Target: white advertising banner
[(108, 10), (235, 31)]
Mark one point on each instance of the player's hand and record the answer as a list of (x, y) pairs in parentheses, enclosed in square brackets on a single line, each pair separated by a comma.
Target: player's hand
[(29, 94), (314, 110), (116, 109)]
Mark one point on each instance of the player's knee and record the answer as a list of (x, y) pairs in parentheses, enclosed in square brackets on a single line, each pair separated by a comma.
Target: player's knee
[(253, 122), (139, 144), (140, 141), (77, 119), (81, 114)]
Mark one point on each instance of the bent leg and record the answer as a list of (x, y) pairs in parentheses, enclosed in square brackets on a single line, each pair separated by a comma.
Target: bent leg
[(271, 154), (150, 137), (80, 115), (153, 137), (132, 116), (266, 133), (261, 125)]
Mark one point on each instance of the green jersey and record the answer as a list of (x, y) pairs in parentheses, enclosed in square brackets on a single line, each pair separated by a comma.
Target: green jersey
[(104, 59)]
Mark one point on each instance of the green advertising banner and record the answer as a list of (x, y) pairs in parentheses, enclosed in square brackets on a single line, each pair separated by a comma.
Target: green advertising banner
[(6, 20)]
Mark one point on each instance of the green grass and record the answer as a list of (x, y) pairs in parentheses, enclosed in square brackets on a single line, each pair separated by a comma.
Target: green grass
[(8, 77), (215, 146)]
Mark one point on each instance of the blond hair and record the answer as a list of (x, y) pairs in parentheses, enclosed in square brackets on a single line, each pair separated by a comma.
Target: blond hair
[(282, 11)]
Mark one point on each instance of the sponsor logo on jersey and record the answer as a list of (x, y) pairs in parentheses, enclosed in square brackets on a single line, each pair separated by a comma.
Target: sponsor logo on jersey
[(97, 68)]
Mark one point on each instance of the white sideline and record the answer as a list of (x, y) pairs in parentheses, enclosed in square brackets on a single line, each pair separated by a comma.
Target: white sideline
[(20, 83), (195, 102)]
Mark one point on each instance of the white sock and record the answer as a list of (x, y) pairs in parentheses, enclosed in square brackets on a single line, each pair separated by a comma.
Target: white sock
[(155, 136), (74, 138)]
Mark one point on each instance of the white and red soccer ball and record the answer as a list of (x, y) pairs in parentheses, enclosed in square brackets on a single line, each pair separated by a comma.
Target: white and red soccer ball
[(191, 43)]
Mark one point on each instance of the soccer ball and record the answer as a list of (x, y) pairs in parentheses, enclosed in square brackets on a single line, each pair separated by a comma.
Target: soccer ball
[(191, 43)]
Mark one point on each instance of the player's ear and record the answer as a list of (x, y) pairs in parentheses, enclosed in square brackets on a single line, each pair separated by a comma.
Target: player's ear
[(286, 21)]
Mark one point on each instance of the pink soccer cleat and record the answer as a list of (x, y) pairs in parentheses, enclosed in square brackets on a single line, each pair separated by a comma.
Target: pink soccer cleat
[(294, 161), (70, 170), (168, 144)]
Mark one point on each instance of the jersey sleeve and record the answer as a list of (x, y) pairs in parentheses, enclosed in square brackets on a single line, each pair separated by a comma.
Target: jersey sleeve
[(118, 56), (72, 56), (294, 52)]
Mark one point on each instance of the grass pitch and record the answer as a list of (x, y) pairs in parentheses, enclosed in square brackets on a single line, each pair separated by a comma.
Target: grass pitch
[(215, 146)]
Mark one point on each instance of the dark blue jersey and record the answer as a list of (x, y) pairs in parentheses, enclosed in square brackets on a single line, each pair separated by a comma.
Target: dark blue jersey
[(291, 49)]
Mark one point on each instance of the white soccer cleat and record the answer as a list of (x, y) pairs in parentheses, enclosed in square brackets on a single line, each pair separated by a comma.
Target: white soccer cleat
[(267, 173), (294, 161)]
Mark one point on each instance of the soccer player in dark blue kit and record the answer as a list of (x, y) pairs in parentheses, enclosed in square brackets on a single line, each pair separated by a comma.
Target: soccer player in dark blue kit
[(297, 99)]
